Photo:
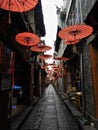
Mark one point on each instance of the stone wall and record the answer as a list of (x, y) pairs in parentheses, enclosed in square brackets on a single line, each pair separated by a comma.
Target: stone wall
[(86, 6), (87, 80), (82, 9)]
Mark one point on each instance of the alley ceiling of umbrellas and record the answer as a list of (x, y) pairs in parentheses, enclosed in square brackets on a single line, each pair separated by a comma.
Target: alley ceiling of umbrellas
[(71, 35)]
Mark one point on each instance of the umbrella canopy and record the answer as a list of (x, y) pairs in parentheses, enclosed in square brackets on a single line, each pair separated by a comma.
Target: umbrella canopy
[(27, 39), (71, 42), (52, 66), (40, 48), (46, 56), (78, 31), (61, 58), (18, 5), (43, 66)]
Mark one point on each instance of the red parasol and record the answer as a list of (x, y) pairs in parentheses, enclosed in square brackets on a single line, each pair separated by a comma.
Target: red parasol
[(46, 56), (52, 66), (18, 5), (74, 32), (49, 65), (27, 39), (61, 58), (71, 42), (40, 48), (43, 66)]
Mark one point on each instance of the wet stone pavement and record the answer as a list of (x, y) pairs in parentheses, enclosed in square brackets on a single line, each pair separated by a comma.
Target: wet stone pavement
[(49, 113)]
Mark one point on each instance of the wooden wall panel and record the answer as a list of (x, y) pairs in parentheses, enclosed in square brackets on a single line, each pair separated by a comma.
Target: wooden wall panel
[(94, 62)]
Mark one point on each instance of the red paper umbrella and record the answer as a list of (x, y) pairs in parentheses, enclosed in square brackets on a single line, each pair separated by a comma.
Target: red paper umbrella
[(46, 56), (40, 48), (18, 5), (71, 42), (43, 66), (27, 39), (61, 58), (51, 65), (74, 32), (55, 69)]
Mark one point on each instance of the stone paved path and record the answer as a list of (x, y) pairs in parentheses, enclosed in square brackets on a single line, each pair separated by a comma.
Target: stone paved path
[(49, 114)]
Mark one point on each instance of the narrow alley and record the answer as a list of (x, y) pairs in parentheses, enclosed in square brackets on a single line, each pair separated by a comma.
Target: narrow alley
[(49, 113), (48, 65)]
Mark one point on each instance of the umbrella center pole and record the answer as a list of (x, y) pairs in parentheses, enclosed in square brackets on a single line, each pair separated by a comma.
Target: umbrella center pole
[(42, 62), (9, 14), (74, 46), (75, 32), (27, 49), (9, 17)]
